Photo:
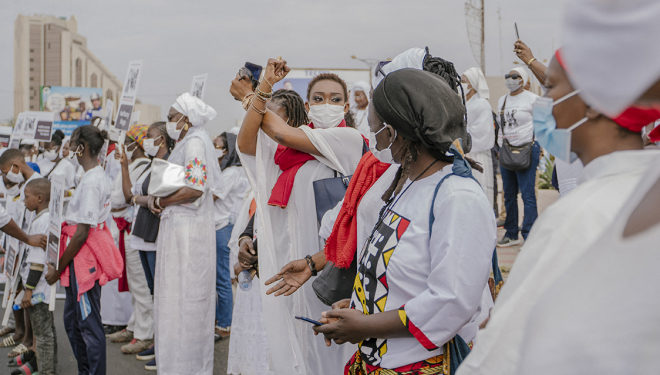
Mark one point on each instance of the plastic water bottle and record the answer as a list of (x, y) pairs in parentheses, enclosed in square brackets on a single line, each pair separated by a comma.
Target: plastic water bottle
[(36, 298), (245, 279)]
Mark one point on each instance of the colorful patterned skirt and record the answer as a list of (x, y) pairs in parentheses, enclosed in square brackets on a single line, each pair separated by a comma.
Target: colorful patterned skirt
[(430, 366)]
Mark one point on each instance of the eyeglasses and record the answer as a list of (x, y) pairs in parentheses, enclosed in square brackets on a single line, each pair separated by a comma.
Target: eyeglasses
[(514, 76)]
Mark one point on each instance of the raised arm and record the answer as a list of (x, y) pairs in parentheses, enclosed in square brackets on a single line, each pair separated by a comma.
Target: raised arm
[(525, 54)]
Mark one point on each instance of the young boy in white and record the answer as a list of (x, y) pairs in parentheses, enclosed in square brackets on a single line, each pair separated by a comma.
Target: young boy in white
[(36, 289)]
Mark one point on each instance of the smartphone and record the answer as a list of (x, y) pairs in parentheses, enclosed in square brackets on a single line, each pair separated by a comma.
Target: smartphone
[(515, 26), (250, 71), (308, 320)]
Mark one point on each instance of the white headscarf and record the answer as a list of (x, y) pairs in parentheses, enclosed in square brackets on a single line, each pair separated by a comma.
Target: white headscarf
[(478, 82), (410, 58), (198, 112), (523, 73), (610, 50), (358, 86)]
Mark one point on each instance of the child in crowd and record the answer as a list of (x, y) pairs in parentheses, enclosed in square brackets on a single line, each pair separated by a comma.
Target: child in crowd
[(36, 291), (88, 255)]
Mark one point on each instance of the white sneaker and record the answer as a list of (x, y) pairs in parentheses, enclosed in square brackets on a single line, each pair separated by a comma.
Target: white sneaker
[(509, 242)]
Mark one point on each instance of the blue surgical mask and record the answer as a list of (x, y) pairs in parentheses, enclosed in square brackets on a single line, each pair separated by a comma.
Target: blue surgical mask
[(556, 141)]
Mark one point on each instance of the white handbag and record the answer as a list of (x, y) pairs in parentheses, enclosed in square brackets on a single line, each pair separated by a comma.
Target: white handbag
[(166, 178)]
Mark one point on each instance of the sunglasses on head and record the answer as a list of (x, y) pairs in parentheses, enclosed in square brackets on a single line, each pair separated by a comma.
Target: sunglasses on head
[(514, 76)]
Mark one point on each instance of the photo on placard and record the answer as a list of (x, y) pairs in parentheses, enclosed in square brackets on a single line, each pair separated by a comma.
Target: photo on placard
[(198, 89), (55, 209), (11, 256), (131, 82), (123, 121)]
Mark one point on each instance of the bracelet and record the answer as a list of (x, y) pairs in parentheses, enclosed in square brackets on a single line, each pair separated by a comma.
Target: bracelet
[(268, 82), (265, 95), (247, 100), (531, 61), (311, 264), (134, 200), (157, 203), (261, 112)]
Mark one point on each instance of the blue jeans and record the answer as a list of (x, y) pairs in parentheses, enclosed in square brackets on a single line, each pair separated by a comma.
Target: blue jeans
[(223, 305), (148, 259), (525, 181)]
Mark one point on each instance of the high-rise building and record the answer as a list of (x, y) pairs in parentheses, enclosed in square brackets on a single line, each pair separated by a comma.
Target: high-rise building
[(48, 51)]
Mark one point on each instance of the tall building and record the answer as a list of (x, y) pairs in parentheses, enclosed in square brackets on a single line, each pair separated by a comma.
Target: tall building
[(48, 51)]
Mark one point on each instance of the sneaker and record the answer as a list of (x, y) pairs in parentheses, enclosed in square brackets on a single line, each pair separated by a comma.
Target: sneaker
[(508, 242), (151, 365), (121, 336), (146, 355), (136, 346), (109, 330), (222, 333)]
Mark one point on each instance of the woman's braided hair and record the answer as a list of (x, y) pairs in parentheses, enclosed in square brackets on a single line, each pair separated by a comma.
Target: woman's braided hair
[(293, 105)]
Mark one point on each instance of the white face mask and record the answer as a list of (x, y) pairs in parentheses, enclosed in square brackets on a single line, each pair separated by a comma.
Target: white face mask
[(50, 155), (465, 88), (150, 147), (325, 116), (16, 178), (172, 131), (73, 156), (513, 84), (385, 155), (13, 191), (220, 152), (129, 155)]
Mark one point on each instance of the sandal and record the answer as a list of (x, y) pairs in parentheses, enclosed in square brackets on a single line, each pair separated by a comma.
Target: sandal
[(7, 330), (22, 359), (26, 369), (7, 342), (18, 350)]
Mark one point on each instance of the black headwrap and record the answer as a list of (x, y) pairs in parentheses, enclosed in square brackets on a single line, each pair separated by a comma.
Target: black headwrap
[(422, 108), (231, 157)]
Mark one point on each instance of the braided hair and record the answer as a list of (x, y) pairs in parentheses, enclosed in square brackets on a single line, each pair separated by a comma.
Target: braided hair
[(445, 69), (348, 117), (293, 105)]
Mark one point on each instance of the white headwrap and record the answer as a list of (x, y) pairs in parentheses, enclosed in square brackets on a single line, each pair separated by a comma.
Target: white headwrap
[(358, 86), (610, 50), (523, 73), (198, 112), (410, 58), (478, 82)]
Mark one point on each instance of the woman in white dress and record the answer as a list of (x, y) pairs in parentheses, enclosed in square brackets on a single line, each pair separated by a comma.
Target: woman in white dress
[(359, 101), (185, 267)]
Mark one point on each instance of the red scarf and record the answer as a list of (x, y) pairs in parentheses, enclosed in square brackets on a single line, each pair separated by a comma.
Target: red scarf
[(341, 245), (124, 227), (290, 161)]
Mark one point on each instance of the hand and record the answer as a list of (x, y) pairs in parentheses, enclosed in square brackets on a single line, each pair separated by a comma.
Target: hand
[(238, 269), (525, 53), (151, 204), (27, 297), (291, 277), (52, 275), (343, 325), (247, 256), (342, 304), (240, 88), (38, 240), (485, 322), (119, 154), (122, 157), (276, 70)]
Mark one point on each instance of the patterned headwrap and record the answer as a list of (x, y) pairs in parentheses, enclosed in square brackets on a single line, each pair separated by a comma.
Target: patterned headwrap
[(137, 133)]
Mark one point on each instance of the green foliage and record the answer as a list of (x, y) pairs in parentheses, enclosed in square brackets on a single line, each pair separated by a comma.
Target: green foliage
[(545, 178)]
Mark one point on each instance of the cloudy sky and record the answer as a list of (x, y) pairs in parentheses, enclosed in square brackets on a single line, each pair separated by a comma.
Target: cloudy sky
[(178, 39)]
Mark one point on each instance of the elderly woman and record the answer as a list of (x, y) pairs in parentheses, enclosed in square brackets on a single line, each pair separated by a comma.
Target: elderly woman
[(428, 234), (185, 267)]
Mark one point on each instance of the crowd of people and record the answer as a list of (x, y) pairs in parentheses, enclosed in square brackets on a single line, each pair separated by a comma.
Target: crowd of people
[(354, 230)]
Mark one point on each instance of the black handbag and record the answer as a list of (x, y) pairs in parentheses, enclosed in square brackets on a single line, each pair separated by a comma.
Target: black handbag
[(515, 158), (328, 192), (334, 284)]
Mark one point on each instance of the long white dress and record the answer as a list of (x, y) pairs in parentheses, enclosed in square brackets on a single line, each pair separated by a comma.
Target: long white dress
[(481, 127), (603, 315), (292, 233), (184, 306)]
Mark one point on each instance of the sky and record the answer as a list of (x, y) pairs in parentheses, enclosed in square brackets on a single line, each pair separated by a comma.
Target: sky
[(179, 39)]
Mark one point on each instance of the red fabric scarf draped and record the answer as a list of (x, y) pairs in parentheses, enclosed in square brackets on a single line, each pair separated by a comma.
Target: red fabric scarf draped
[(341, 245), (124, 227), (290, 161)]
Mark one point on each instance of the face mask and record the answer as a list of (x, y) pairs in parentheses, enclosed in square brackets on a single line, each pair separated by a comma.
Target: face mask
[(556, 141), (220, 152), (513, 84), (16, 178), (129, 154), (326, 116), (13, 191), (385, 155), (73, 156), (465, 88), (172, 131), (150, 147), (50, 155)]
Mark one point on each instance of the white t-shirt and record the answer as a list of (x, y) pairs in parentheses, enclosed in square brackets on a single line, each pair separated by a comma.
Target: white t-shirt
[(519, 127), (117, 198), (37, 255), (437, 280), (45, 165), (232, 191), (65, 172), (90, 203), (480, 124)]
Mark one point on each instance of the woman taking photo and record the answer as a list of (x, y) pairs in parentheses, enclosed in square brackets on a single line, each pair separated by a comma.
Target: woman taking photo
[(185, 266), (288, 161), (424, 265)]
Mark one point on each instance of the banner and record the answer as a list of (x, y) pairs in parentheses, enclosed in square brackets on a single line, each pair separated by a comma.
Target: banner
[(128, 96), (198, 86), (56, 214), (72, 103), (32, 125)]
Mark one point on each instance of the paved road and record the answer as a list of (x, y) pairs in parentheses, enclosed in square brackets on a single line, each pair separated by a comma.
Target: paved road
[(118, 363)]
